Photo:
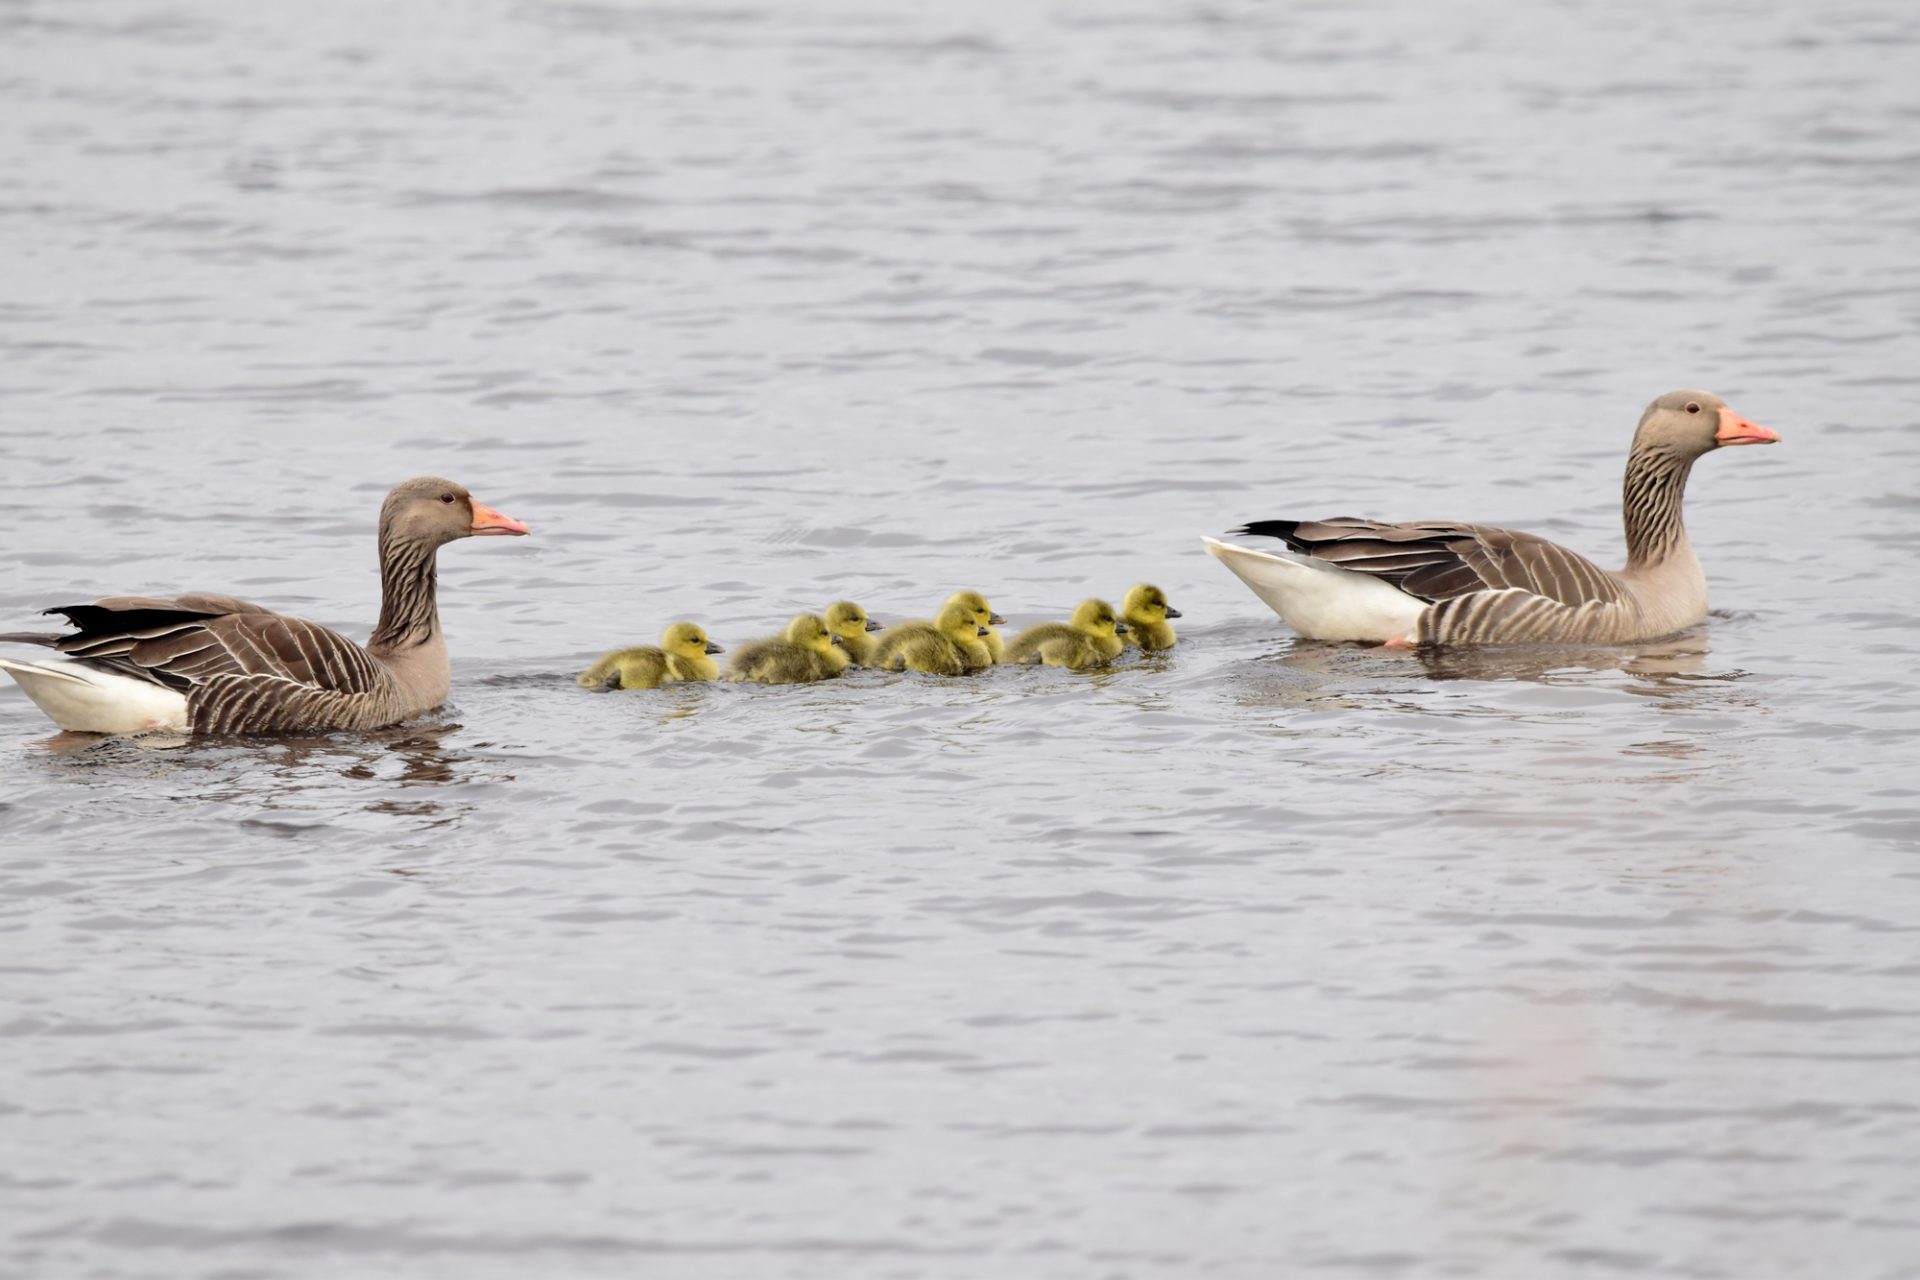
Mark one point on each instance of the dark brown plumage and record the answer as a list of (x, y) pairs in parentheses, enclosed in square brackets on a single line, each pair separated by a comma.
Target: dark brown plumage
[(1437, 560), (244, 669), (1446, 582)]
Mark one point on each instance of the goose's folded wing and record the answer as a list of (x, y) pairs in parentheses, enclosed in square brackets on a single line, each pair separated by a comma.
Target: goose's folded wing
[(193, 639), (1439, 560)]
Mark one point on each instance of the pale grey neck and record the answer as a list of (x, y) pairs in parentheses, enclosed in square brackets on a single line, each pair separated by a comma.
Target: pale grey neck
[(421, 674), (1656, 482), (409, 612)]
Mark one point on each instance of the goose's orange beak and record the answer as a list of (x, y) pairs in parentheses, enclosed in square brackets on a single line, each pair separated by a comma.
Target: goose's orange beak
[(1735, 429), (487, 521)]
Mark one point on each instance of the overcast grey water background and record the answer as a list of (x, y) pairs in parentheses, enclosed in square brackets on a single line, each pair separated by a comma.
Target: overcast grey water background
[(1263, 959)]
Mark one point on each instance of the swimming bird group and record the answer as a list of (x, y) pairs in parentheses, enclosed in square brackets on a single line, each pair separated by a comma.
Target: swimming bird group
[(958, 640), (214, 664)]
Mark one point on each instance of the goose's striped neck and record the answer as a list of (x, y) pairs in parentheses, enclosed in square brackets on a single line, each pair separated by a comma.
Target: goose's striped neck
[(1656, 482), (409, 613)]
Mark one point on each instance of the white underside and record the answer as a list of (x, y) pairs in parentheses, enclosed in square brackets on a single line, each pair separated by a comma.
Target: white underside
[(1322, 601), (86, 700)]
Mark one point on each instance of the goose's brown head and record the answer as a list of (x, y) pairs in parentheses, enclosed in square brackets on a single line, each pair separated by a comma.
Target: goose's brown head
[(1690, 423), (435, 511)]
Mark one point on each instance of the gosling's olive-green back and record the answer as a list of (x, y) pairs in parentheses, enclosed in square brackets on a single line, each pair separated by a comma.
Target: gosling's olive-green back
[(803, 653), (1091, 639)]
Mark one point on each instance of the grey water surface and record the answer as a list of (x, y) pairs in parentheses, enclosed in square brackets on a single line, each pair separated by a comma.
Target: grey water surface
[(1263, 959)]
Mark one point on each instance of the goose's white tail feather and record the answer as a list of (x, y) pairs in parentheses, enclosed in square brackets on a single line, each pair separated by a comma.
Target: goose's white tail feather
[(1322, 601), (87, 700)]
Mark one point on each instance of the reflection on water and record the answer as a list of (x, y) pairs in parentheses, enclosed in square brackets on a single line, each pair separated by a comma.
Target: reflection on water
[(419, 747), (1662, 668), (288, 773), (97, 748), (1656, 664)]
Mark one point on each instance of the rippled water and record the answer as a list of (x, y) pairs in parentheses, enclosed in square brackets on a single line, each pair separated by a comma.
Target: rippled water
[(1267, 958)]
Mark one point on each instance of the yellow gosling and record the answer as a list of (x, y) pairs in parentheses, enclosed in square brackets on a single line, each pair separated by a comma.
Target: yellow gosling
[(850, 622), (806, 652), (1092, 639), (1145, 611), (984, 649), (681, 657), (939, 648)]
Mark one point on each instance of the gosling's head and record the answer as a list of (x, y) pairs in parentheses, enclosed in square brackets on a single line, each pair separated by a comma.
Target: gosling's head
[(958, 620), (1147, 603), (809, 631), (976, 604), (845, 618), (1096, 618), (688, 640)]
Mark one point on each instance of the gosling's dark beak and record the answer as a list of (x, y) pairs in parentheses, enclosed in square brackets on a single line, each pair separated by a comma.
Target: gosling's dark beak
[(874, 626), (1119, 628), (612, 681), (714, 648), (995, 620), (1172, 612), (837, 640), (983, 631)]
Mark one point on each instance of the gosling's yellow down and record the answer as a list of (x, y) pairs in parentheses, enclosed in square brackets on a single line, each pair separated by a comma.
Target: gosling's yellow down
[(1145, 611), (984, 649), (1092, 639), (682, 656), (807, 652), (850, 622), (939, 648)]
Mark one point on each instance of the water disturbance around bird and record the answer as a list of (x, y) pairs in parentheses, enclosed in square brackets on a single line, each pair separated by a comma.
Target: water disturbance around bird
[(1256, 957)]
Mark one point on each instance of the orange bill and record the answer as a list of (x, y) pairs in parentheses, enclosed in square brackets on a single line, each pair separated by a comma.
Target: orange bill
[(488, 521), (1735, 429)]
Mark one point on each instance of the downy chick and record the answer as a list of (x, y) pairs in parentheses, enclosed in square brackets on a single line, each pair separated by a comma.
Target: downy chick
[(851, 623), (682, 656), (806, 652), (985, 649), (1092, 639), (1145, 611), (939, 648)]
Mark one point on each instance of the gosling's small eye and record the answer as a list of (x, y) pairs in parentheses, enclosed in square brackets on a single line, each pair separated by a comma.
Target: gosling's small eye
[(447, 498), (1693, 406)]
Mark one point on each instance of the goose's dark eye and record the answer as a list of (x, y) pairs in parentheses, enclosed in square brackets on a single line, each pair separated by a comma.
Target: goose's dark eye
[(1693, 406), (447, 498)]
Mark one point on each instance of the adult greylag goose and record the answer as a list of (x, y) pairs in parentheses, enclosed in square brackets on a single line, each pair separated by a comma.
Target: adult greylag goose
[(1445, 583), (216, 665)]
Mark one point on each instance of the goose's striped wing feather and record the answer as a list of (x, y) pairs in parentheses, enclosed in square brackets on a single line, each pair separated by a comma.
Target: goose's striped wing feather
[(1442, 560), (197, 639)]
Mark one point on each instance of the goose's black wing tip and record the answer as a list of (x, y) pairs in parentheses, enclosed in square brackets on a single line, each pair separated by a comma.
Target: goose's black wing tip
[(1281, 529)]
